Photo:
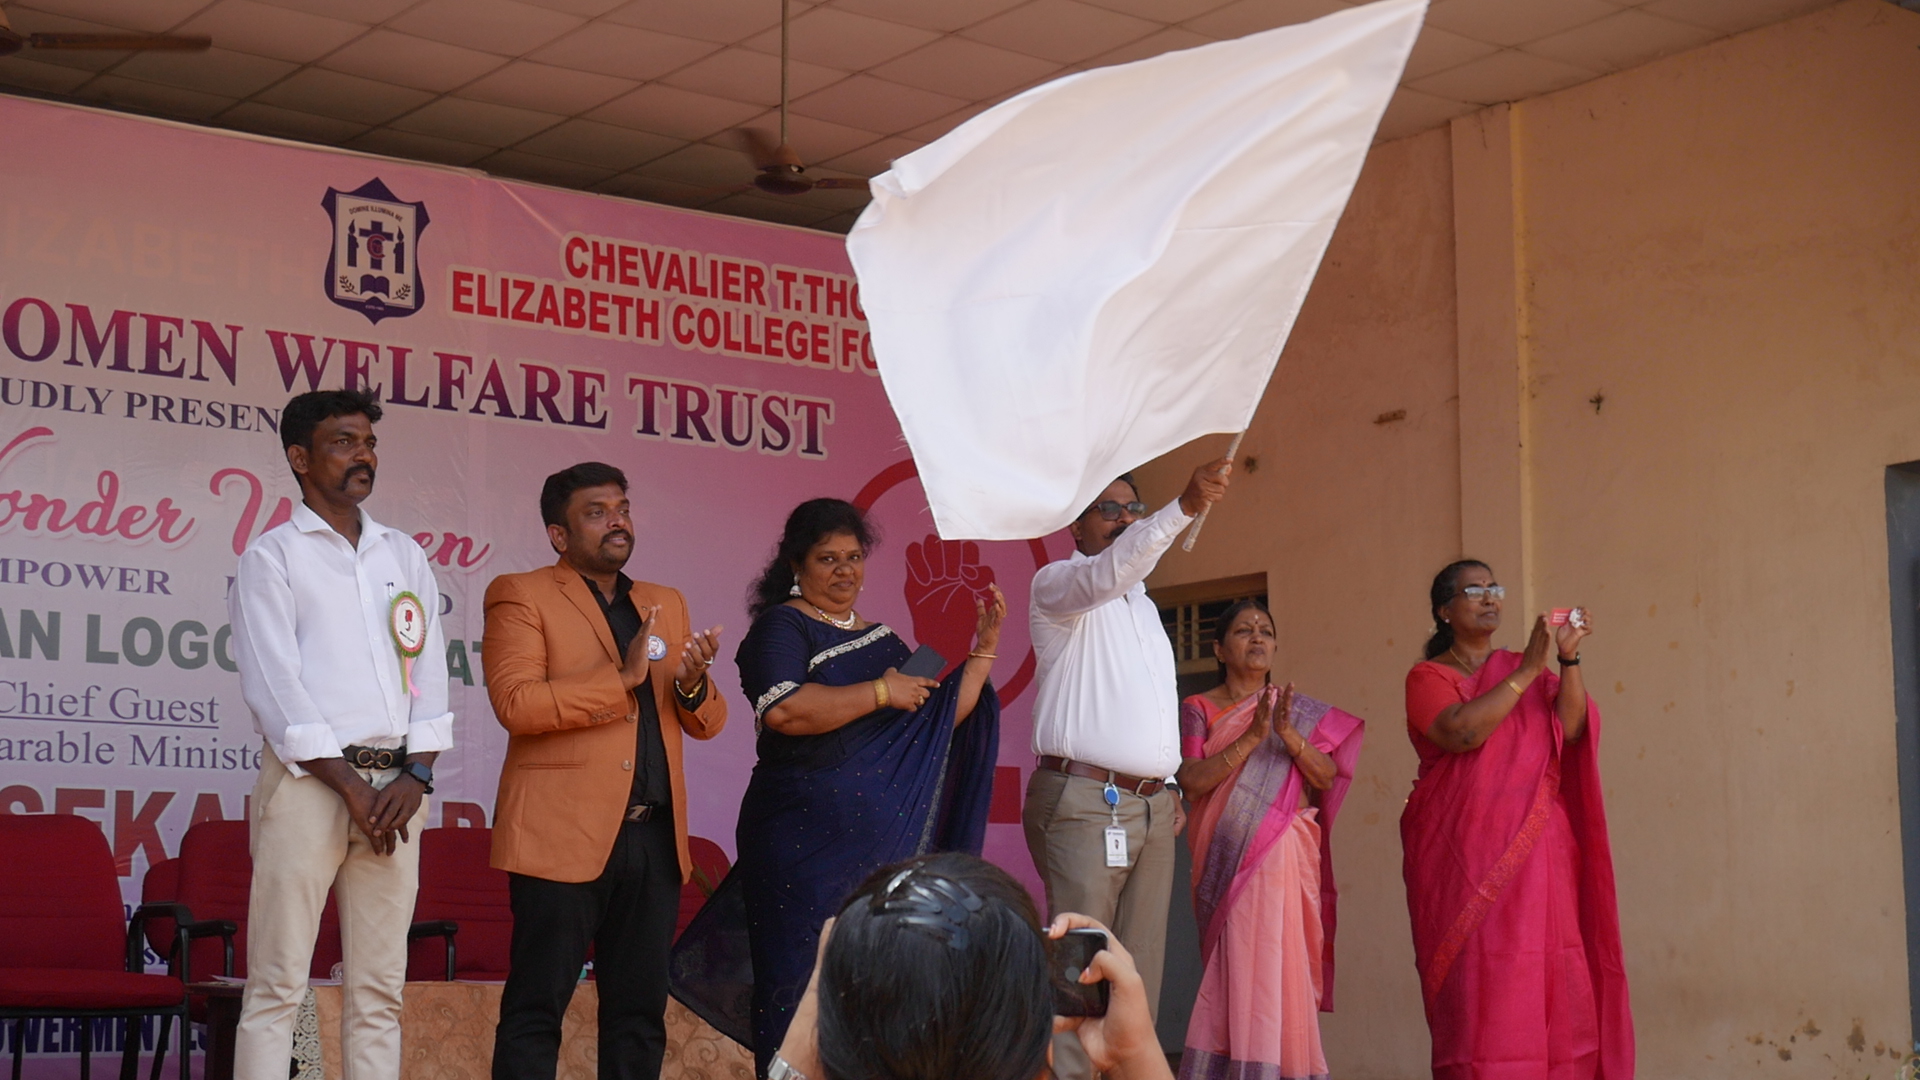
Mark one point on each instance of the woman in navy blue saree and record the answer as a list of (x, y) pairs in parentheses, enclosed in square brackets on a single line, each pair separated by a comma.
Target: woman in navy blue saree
[(859, 766)]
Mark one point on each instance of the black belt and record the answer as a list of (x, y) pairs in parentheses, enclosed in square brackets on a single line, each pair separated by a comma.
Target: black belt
[(375, 757), (644, 811)]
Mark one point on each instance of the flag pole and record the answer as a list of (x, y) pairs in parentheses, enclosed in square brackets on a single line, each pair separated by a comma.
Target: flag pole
[(1193, 534)]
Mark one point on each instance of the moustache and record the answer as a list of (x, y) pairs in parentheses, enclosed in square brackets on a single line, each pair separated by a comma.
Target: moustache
[(622, 533), (353, 470)]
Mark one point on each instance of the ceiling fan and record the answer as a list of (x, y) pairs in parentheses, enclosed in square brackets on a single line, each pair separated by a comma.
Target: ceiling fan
[(12, 41), (780, 169)]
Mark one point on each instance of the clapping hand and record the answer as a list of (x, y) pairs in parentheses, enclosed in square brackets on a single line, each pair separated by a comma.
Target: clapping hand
[(633, 671), (1283, 712), (1534, 660), (697, 654), (987, 619)]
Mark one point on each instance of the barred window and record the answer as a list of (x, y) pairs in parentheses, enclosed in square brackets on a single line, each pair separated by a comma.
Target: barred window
[(1190, 613)]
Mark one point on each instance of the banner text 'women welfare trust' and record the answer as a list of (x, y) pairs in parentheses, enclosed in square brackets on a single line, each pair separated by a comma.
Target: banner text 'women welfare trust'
[(61, 332)]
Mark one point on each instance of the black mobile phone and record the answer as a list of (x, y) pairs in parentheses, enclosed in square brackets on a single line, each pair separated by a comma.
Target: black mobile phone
[(925, 663), (1069, 956)]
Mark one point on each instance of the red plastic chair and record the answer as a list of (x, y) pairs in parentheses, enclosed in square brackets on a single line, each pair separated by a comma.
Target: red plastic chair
[(709, 867), (215, 880), (161, 885), (66, 949), (463, 901)]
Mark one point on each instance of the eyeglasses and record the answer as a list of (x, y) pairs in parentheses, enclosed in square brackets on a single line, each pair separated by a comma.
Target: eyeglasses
[(1110, 510), (1484, 592)]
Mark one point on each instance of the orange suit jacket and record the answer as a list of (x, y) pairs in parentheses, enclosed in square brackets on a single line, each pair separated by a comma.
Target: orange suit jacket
[(553, 674)]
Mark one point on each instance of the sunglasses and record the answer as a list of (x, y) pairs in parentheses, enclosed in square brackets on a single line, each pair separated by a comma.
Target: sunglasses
[(1484, 592), (1111, 511)]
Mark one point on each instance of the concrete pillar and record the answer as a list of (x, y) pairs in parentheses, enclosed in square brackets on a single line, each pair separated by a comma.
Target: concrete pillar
[(1490, 274)]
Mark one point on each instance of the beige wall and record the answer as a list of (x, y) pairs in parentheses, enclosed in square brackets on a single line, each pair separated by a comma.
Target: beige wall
[(1725, 246)]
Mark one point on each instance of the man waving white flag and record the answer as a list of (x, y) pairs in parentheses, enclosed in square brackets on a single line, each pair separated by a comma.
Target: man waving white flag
[(1098, 270)]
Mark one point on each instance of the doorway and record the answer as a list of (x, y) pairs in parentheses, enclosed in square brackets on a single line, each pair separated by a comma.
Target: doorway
[(1903, 581)]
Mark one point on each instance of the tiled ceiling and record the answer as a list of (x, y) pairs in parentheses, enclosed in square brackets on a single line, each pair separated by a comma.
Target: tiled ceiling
[(639, 98)]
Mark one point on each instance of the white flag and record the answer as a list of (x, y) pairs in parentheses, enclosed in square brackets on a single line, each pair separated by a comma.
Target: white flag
[(1098, 270)]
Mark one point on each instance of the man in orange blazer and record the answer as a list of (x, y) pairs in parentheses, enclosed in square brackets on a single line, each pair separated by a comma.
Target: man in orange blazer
[(590, 824)]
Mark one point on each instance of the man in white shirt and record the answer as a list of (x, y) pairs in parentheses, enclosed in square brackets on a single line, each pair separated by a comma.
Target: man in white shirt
[(336, 631), (1106, 726)]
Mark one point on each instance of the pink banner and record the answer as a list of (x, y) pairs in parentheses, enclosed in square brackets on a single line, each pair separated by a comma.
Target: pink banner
[(163, 291)]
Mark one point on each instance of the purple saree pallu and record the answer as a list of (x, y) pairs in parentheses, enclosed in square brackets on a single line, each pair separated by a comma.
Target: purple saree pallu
[(1264, 896)]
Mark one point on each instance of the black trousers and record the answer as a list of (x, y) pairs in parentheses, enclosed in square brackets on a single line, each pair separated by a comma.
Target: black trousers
[(628, 914)]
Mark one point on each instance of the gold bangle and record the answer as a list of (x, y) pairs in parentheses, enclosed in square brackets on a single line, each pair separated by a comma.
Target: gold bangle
[(983, 656), (1229, 756), (1520, 690), (881, 695)]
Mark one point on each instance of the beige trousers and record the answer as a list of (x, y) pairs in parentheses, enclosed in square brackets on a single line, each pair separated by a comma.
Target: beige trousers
[(305, 843), (1066, 819)]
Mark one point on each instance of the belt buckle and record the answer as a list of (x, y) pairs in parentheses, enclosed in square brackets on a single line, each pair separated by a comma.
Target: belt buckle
[(1143, 782), (375, 757)]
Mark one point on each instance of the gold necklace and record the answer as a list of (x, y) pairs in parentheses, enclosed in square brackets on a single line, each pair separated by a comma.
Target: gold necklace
[(1464, 662), (853, 617)]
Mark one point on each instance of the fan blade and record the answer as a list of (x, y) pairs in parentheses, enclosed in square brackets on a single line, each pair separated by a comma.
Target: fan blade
[(121, 42), (849, 183), (759, 146), (782, 180)]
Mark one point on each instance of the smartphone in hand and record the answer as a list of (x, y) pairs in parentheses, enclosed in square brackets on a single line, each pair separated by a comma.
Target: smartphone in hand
[(926, 663), (1069, 956), (1561, 616)]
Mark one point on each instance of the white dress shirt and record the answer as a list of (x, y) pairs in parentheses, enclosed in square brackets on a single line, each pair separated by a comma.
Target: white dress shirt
[(1105, 684), (318, 664)]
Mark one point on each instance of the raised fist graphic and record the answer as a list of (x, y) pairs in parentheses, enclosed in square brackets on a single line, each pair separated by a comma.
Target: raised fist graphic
[(944, 577)]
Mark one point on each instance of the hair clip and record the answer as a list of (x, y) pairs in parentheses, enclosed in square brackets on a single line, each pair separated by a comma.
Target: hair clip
[(935, 905)]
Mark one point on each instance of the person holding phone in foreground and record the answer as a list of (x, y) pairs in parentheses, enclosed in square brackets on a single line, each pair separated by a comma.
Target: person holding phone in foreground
[(1516, 931), (938, 967), (860, 764)]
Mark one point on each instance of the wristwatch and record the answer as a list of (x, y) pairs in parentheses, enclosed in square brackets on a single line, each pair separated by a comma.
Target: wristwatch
[(781, 1069), (420, 771)]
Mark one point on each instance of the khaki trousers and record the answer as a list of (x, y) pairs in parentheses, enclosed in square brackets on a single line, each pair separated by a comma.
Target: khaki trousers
[(1066, 819), (305, 843)]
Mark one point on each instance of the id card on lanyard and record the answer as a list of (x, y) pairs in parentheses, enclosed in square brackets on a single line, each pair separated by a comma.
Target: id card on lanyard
[(1115, 833)]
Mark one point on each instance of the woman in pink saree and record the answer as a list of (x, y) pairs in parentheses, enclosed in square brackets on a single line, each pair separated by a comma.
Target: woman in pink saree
[(1509, 875), (1266, 770)]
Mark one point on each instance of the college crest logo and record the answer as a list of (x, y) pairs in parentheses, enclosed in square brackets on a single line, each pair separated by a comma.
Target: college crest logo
[(375, 265)]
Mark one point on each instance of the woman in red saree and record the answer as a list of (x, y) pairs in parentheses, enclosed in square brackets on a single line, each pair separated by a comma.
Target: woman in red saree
[(1509, 874), (1266, 770)]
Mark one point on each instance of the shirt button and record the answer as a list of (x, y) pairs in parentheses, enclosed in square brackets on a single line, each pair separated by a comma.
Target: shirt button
[(627, 765)]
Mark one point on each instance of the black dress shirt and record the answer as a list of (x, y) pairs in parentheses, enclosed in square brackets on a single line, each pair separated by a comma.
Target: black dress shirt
[(651, 782)]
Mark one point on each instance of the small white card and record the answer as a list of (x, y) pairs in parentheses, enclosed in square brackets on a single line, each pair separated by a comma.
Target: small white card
[(1116, 846)]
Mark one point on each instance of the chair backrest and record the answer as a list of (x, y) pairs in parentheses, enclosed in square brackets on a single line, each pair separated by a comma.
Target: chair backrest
[(160, 885), (709, 866), (59, 896), (216, 881), (457, 882)]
